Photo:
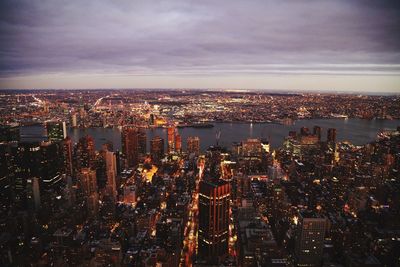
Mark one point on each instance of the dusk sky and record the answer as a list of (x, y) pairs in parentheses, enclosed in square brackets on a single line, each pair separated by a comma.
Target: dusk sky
[(297, 45)]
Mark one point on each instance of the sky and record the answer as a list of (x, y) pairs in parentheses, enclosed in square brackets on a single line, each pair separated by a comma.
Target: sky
[(343, 45)]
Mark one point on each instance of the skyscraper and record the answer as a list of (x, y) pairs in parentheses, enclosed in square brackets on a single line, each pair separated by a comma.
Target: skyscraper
[(68, 156), (133, 145), (142, 139), (88, 181), (85, 153), (310, 239), (252, 148), (56, 131), (157, 148), (33, 193), (178, 143), (317, 132), (111, 169), (51, 164), (213, 231), (171, 139), (193, 145), (331, 138)]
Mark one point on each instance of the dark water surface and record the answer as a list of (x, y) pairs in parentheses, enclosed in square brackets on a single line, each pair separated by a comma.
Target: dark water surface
[(356, 131)]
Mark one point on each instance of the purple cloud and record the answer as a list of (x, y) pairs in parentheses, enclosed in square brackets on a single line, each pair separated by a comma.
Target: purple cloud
[(199, 38)]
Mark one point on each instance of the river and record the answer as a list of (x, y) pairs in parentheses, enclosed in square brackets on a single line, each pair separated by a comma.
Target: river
[(356, 131)]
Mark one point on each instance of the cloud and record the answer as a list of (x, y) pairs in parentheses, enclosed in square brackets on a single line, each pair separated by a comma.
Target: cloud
[(137, 38)]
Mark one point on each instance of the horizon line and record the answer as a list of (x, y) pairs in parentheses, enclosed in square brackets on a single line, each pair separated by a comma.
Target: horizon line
[(214, 89)]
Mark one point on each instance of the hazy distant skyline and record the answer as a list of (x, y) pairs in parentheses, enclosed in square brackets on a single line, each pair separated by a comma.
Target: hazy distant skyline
[(305, 45)]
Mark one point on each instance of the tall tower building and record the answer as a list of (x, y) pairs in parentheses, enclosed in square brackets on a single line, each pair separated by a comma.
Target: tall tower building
[(178, 143), (51, 164), (68, 156), (85, 152), (111, 169), (317, 132), (157, 148), (171, 139), (331, 135), (88, 181), (133, 145), (213, 230), (142, 139), (7, 173), (310, 239), (56, 131), (193, 145), (33, 193)]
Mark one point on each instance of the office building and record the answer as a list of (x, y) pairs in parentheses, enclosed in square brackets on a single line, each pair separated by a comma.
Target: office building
[(85, 152), (68, 156), (88, 181), (157, 148), (317, 132), (213, 233), (111, 170), (171, 139), (178, 143), (331, 138), (133, 145), (310, 239), (56, 131), (33, 193)]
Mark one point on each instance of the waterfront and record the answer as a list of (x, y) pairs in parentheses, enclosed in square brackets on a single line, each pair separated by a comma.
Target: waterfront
[(356, 131)]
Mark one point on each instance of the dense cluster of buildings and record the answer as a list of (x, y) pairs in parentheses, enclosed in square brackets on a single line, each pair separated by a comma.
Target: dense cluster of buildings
[(191, 108), (312, 202)]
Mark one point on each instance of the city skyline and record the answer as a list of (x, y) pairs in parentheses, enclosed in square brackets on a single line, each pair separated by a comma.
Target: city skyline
[(273, 45), (198, 179)]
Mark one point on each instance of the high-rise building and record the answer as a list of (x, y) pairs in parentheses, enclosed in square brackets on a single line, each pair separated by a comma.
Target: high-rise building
[(92, 202), (157, 148), (33, 193), (193, 145), (310, 239), (178, 143), (111, 169), (88, 181), (27, 161), (85, 152), (56, 131), (317, 132), (171, 139), (213, 230), (252, 148), (68, 156), (151, 119), (118, 159), (304, 131), (133, 145), (331, 138), (7, 173), (142, 140), (51, 164)]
